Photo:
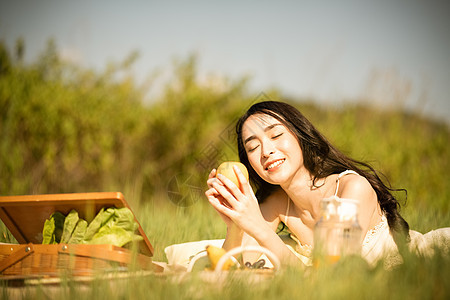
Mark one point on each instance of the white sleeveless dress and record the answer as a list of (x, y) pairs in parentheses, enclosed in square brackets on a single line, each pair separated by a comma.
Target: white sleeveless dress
[(378, 243)]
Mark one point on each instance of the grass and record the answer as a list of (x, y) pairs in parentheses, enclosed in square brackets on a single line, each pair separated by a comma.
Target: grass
[(417, 278), (166, 224)]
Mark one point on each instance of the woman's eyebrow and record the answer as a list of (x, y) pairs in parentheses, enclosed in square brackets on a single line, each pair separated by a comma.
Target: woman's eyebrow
[(252, 137)]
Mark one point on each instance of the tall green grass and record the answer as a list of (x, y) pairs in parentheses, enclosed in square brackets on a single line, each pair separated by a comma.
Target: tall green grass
[(417, 278)]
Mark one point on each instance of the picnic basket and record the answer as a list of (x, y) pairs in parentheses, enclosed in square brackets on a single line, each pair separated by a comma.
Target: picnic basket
[(24, 216)]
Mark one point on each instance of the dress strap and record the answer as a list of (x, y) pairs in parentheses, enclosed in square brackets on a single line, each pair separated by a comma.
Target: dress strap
[(287, 211), (341, 175)]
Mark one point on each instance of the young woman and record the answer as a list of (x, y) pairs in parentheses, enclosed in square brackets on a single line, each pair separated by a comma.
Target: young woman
[(292, 167)]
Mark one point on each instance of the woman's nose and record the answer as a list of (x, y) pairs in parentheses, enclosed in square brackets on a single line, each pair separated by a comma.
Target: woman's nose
[(267, 149)]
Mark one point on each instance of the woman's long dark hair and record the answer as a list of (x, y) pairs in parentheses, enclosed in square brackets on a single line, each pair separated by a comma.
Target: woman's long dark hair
[(321, 159)]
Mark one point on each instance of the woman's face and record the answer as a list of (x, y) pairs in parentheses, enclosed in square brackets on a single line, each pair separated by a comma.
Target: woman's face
[(272, 149)]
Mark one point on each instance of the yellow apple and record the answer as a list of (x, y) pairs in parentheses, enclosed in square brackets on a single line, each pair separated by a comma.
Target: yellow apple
[(226, 169)]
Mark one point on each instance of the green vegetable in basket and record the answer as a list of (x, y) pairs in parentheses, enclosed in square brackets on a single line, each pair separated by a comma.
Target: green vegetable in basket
[(79, 232), (113, 236), (124, 218), (118, 231), (100, 219), (113, 226), (69, 225), (53, 229)]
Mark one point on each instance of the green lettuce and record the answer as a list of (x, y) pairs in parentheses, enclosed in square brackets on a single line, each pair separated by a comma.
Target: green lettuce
[(114, 236), (114, 226), (100, 219), (118, 230), (53, 229), (122, 218), (69, 225), (47, 233), (79, 232)]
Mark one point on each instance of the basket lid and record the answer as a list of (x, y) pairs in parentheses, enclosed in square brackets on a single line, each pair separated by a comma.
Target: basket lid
[(25, 215)]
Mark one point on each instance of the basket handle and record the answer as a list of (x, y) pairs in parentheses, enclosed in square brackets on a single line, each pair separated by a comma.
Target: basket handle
[(20, 253), (272, 257)]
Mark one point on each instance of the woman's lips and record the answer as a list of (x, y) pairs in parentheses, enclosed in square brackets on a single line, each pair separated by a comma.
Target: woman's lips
[(275, 164)]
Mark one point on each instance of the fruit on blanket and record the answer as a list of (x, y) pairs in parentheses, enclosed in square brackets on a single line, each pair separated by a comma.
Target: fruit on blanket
[(226, 169), (214, 254)]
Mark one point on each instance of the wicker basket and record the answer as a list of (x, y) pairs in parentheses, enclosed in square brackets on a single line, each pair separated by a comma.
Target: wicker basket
[(25, 216)]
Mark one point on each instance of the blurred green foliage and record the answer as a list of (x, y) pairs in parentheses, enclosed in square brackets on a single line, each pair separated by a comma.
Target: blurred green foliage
[(69, 129), (65, 128)]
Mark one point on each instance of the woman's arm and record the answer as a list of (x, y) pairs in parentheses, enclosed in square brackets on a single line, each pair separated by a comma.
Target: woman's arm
[(270, 211), (357, 187), (240, 207), (234, 238), (272, 218)]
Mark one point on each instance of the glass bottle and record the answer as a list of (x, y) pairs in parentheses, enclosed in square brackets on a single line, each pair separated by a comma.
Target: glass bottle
[(337, 233)]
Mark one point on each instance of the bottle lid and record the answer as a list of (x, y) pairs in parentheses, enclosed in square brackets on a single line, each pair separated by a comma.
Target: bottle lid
[(342, 209)]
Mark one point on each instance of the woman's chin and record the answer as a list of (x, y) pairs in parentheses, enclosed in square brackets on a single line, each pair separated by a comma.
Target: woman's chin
[(276, 179)]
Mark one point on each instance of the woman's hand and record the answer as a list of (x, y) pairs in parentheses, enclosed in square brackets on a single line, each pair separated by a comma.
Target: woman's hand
[(238, 206), (240, 210), (212, 193)]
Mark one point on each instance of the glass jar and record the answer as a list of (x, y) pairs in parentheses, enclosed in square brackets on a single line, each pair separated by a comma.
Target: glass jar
[(337, 233)]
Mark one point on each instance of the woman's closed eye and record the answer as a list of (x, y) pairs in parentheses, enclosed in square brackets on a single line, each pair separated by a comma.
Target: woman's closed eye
[(277, 136), (252, 148)]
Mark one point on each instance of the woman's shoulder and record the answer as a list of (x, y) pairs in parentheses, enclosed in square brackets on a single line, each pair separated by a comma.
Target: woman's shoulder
[(353, 184)]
